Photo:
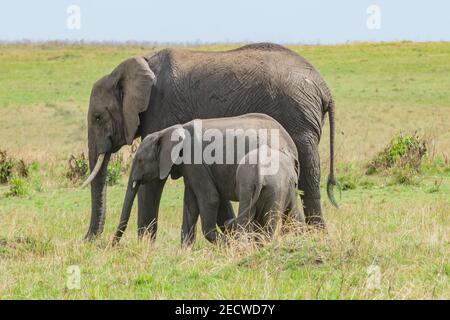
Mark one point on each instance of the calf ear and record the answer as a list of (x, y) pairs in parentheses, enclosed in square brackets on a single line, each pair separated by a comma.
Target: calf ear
[(170, 145), (135, 81)]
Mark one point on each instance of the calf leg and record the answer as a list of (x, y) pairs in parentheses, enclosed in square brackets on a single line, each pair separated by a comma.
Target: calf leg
[(248, 195), (226, 213), (209, 208), (149, 197), (190, 217)]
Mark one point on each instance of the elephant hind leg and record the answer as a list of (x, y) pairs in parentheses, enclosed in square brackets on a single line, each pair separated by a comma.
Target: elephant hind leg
[(309, 180), (249, 186), (225, 214), (293, 210), (209, 208), (268, 211)]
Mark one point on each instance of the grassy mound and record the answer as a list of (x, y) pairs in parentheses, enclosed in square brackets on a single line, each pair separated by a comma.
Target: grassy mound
[(401, 158), (403, 151)]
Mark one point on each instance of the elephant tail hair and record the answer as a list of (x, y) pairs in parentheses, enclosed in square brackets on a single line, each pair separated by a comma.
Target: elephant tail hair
[(332, 182)]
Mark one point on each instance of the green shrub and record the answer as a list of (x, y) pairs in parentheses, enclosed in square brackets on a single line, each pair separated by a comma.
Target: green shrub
[(17, 187), (36, 183), (34, 166), (34, 177), (114, 171), (78, 167), (403, 151)]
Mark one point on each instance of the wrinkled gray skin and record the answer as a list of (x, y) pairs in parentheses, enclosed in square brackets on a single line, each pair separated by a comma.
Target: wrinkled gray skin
[(263, 198), (260, 196), (147, 94)]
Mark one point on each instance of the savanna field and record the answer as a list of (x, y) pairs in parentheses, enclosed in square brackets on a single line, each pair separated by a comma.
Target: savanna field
[(388, 240)]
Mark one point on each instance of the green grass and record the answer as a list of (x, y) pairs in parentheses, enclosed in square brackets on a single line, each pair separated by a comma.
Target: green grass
[(380, 90)]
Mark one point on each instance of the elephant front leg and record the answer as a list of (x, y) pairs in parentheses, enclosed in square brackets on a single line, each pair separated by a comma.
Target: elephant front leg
[(149, 197), (190, 217), (309, 182), (226, 213)]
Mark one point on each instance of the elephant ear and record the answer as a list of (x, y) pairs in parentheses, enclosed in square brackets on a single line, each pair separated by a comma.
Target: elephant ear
[(134, 80), (170, 145)]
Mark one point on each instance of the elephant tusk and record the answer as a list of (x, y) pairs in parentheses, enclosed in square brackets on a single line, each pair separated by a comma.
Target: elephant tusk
[(94, 172), (134, 184)]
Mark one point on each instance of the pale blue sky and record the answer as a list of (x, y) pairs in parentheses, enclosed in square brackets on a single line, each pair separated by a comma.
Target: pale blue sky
[(282, 21)]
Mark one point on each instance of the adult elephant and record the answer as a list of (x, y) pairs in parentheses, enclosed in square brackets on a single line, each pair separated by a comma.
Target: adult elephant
[(148, 93)]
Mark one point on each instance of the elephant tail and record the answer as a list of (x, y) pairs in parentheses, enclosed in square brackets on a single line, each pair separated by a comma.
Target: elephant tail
[(332, 182)]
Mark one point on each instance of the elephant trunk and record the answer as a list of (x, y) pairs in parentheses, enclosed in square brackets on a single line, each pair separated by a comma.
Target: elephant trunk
[(98, 194), (331, 178), (132, 189)]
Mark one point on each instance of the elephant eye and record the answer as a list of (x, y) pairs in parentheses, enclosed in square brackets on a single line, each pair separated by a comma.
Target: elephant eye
[(97, 118)]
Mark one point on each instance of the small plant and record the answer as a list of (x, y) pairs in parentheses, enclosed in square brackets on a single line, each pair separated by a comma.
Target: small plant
[(439, 166), (36, 183), (34, 166), (33, 176), (436, 186), (348, 182), (78, 167), (127, 157), (403, 175), (6, 167), (17, 187), (114, 171), (404, 151)]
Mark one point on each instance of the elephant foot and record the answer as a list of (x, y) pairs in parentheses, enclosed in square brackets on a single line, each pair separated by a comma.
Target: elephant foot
[(147, 233), (229, 226), (91, 236), (313, 212), (187, 240)]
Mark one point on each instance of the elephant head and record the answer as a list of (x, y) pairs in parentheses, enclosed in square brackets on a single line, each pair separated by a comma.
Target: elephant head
[(113, 120), (154, 159)]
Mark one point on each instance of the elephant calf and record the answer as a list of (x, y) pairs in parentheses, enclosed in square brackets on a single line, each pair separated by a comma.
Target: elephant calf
[(249, 158)]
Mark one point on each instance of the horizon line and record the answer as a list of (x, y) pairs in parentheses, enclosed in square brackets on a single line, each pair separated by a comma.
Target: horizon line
[(197, 43)]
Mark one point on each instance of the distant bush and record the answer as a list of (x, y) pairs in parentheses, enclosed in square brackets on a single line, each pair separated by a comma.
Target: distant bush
[(22, 169), (78, 167), (18, 187), (9, 166), (6, 167), (404, 152)]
